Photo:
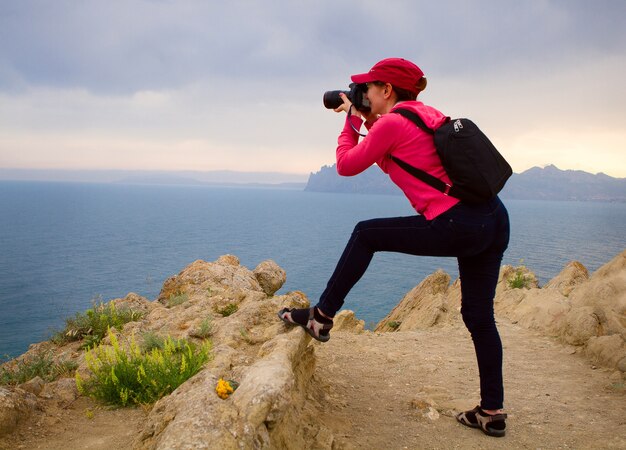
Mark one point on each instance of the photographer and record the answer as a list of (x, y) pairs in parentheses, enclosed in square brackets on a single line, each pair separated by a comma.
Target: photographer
[(476, 234)]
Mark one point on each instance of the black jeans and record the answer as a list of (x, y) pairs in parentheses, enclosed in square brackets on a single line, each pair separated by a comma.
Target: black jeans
[(477, 235)]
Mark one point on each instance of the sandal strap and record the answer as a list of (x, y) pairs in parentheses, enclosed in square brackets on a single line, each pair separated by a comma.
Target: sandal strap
[(494, 418)]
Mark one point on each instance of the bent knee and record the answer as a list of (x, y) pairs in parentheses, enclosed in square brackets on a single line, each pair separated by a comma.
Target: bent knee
[(478, 320)]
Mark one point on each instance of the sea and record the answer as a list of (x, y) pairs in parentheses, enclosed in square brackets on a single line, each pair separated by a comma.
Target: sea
[(64, 246)]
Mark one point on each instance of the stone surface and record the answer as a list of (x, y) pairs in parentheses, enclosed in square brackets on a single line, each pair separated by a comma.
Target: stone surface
[(345, 320), (581, 310), (432, 302), (63, 390), (34, 385), (571, 276), (270, 276), (274, 363), (271, 361), (15, 405)]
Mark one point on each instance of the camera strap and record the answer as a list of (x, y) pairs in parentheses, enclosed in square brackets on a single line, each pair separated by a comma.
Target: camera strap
[(351, 124)]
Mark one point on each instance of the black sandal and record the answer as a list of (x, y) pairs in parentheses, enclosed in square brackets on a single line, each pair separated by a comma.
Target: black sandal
[(491, 425), (313, 322)]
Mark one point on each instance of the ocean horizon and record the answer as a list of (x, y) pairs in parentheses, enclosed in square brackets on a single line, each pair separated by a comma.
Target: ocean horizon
[(66, 245)]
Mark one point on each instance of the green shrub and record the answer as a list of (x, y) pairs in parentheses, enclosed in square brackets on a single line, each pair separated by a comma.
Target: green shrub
[(133, 377), (394, 324), (519, 281), (177, 299), (152, 340), (229, 309), (92, 325), (206, 328), (39, 365)]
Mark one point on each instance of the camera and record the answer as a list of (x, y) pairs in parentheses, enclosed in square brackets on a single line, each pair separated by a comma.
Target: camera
[(356, 95)]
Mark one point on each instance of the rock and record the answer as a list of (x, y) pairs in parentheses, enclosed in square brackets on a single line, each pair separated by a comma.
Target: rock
[(270, 276), (510, 276), (578, 309), (65, 390), (201, 277), (15, 406), (347, 321), (426, 407), (271, 361), (605, 292), (589, 312), (34, 385), (580, 324), (432, 302), (571, 276), (608, 351), (134, 302), (262, 413)]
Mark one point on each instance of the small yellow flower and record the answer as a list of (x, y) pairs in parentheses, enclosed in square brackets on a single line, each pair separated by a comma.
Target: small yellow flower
[(223, 389)]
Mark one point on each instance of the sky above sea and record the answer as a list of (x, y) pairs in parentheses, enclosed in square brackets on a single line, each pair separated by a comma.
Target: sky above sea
[(208, 85)]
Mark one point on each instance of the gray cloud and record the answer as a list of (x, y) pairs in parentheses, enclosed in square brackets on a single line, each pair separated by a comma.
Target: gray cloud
[(126, 46), (203, 76)]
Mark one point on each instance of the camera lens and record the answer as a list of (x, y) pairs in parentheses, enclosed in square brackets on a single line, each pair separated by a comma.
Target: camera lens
[(332, 99)]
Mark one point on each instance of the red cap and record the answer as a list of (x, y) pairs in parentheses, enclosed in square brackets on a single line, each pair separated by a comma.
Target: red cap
[(400, 72)]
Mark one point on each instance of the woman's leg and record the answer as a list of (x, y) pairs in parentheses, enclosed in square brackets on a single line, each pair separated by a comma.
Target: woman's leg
[(412, 235), (479, 277)]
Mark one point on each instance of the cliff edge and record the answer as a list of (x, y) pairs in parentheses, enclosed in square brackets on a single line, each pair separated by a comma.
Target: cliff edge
[(396, 387)]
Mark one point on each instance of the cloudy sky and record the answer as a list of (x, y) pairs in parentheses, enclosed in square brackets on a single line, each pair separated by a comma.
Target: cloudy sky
[(211, 85)]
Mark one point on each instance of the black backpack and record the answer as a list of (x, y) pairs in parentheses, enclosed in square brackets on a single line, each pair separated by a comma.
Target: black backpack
[(477, 170)]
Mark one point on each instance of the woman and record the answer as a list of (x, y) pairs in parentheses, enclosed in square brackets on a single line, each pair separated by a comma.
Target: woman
[(476, 234)]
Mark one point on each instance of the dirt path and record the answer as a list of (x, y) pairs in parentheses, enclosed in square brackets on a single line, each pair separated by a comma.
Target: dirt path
[(375, 391), (83, 425), (372, 388)]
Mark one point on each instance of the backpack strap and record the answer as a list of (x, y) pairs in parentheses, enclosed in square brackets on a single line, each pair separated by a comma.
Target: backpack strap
[(419, 173), (416, 119)]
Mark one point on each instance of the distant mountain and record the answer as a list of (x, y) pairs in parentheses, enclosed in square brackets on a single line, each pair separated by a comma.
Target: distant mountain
[(372, 181), (552, 183), (187, 177), (547, 183)]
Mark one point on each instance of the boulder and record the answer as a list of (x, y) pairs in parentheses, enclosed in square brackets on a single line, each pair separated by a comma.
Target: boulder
[(270, 276), (134, 302), (571, 276), (577, 309), (262, 413), (345, 320), (609, 351), (223, 275), (432, 302), (34, 385), (15, 406), (63, 390)]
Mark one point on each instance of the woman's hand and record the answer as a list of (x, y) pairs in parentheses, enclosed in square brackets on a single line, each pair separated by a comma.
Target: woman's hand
[(349, 108), (347, 105)]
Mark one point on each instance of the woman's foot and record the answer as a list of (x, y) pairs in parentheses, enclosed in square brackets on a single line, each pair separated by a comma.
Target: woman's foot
[(491, 422), (311, 319)]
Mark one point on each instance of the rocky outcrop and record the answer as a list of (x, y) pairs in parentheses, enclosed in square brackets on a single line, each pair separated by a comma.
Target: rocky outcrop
[(16, 405), (251, 347), (236, 308), (433, 302), (581, 310), (346, 320), (588, 312), (274, 364)]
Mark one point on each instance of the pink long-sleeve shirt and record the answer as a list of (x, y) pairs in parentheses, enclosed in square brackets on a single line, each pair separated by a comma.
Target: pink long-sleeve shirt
[(394, 134)]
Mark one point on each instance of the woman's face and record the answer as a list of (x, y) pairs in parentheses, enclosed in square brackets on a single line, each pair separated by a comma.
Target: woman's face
[(378, 96)]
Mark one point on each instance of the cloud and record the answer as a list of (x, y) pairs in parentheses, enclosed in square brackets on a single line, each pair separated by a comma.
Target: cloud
[(238, 84), (125, 46)]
